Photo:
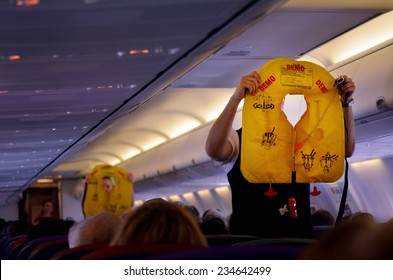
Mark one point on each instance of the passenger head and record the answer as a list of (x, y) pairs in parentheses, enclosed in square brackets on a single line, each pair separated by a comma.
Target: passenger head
[(194, 211), (46, 210), (160, 222), (213, 227), (100, 228), (17, 227), (213, 222), (363, 217), (125, 214), (49, 227), (384, 239), (322, 217), (359, 217), (108, 183), (213, 213), (47, 206), (2, 224), (156, 199), (351, 239)]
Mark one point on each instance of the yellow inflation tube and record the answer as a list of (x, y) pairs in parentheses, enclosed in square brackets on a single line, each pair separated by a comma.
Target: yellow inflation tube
[(273, 151)]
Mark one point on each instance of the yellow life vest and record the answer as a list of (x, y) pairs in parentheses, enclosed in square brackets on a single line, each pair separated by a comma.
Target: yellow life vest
[(272, 149), (107, 188)]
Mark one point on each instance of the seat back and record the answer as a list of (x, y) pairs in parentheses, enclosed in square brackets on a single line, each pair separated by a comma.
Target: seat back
[(77, 253), (12, 247), (136, 251), (320, 231), (46, 250), (28, 247), (225, 240), (259, 249)]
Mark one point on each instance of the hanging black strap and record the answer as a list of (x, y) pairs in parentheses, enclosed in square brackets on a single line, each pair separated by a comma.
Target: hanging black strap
[(84, 196), (344, 195), (293, 177)]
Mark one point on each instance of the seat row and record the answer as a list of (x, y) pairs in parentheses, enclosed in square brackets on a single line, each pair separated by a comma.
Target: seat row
[(220, 247)]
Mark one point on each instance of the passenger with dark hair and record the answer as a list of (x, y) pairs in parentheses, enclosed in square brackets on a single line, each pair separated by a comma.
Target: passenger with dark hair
[(384, 239), (2, 224), (351, 239), (213, 222), (17, 228), (194, 211), (13, 232), (322, 217), (46, 212), (49, 227)]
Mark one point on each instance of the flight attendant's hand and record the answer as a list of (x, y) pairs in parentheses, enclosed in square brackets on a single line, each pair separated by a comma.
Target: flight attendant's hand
[(248, 85), (345, 89)]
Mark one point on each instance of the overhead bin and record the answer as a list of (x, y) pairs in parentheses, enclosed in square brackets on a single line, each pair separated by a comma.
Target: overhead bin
[(373, 108), (373, 76)]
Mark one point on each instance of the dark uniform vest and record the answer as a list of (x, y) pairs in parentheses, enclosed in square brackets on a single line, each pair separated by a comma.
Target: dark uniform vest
[(267, 210)]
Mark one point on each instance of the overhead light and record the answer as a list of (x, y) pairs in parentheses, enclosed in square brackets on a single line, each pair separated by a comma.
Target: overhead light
[(204, 193), (188, 196), (120, 53), (174, 198), (115, 162), (154, 143), (140, 51), (27, 3), (354, 42), (131, 153), (45, 181), (184, 128), (173, 50), (138, 203), (14, 57), (222, 190), (368, 164)]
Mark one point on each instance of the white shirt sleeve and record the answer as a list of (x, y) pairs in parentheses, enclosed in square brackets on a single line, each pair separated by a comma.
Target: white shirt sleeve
[(228, 164)]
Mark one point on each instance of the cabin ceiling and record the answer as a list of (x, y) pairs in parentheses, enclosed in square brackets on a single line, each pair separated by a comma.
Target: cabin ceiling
[(86, 82)]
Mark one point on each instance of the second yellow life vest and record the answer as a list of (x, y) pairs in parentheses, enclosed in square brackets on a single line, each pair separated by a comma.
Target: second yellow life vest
[(107, 188), (272, 149)]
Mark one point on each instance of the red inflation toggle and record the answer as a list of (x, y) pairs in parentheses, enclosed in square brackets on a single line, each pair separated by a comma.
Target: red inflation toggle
[(292, 207), (315, 191), (271, 192)]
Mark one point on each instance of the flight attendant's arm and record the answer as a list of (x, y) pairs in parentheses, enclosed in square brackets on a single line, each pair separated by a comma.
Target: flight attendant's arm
[(346, 92), (217, 145)]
